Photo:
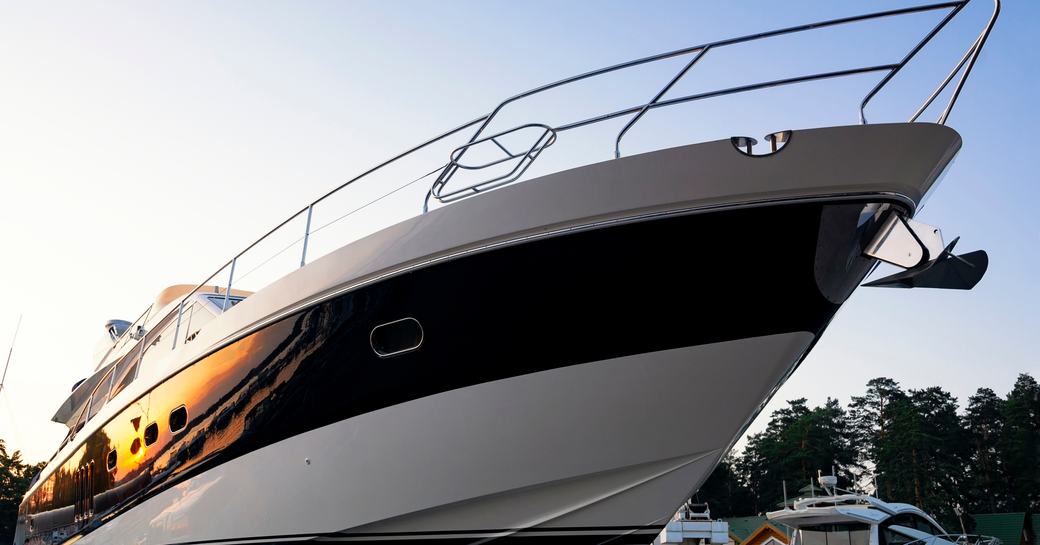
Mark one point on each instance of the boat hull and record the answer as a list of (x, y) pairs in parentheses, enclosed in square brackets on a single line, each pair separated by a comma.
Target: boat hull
[(560, 389), (584, 453)]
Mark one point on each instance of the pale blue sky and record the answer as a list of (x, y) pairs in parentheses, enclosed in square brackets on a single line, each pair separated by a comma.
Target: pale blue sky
[(142, 144)]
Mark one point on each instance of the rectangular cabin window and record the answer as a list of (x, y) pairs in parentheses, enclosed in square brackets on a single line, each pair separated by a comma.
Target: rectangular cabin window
[(124, 373), (100, 395), (81, 419), (218, 300), (834, 534)]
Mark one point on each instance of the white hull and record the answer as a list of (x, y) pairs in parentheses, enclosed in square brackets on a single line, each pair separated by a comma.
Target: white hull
[(615, 443)]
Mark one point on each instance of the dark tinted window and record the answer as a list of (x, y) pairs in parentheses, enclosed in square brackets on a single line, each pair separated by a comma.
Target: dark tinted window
[(178, 419), (81, 419), (888, 536), (100, 397), (129, 373), (916, 522), (151, 433), (219, 301)]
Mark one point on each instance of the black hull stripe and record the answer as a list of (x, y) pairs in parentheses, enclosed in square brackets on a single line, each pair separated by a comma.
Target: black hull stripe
[(588, 296)]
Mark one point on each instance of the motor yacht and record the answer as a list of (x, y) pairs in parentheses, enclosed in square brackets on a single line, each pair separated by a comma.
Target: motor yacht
[(843, 518), (500, 364)]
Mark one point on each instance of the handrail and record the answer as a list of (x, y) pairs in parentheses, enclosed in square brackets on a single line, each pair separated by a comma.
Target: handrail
[(954, 6), (544, 140), (310, 207), (979, 43), (958, 539), (697, 52), (917, 48), (720, 43)]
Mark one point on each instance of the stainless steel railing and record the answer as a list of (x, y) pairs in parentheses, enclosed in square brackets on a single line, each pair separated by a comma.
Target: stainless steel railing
[(548, 134), (957, 539)]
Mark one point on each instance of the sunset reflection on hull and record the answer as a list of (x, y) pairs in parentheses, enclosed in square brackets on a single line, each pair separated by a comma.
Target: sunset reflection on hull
[(317, 367)]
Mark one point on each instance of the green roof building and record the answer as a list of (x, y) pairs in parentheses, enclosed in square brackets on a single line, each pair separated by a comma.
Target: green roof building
[(742, 527), (1010, 528)]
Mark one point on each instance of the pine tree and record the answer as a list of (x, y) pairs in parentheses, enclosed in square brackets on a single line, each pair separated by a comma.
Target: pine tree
[(942, 453), (1019, 444), (987, 489), (871, 417)]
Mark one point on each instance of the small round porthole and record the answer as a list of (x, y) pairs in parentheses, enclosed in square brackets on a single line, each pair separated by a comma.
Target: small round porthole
[(397, 337), (110, 462)]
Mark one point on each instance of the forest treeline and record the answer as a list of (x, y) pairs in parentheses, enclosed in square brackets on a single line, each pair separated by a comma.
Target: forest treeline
[(915, 446)]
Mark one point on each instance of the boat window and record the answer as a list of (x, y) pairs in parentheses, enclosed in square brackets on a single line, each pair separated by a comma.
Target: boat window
[(888, 536), (835, 534), (125, 373), (80, 420), (110, 462), (219, 301), (100, 395), (151, 433), (178, 419), (892, 536)]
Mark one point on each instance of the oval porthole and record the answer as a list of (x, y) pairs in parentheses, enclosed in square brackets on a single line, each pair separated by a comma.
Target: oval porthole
[(151, 433), (178, 419), (135, 447), (110, 463), (397, 337)]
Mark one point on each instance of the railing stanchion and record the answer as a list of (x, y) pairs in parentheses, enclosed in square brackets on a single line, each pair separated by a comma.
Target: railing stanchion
[(231, 278), (657, 97), (306, 235)]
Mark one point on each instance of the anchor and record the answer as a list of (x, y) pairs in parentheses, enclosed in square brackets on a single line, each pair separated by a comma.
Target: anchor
[(911, 245)]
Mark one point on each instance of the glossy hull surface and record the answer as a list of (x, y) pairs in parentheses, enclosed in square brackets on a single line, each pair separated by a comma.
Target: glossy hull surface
[(651, 318), (581, 452)]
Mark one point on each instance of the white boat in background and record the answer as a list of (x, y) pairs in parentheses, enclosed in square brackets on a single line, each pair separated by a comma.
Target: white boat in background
[(842, 518), (499, 364)]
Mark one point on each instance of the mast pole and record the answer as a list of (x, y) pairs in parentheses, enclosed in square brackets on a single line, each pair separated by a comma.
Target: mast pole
[(10, 351)]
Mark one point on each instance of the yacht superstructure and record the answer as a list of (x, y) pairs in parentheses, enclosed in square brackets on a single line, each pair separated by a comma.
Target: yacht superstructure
[(498, 364)]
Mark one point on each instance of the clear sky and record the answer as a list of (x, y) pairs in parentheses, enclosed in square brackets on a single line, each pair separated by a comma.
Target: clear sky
[(142, 144)]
